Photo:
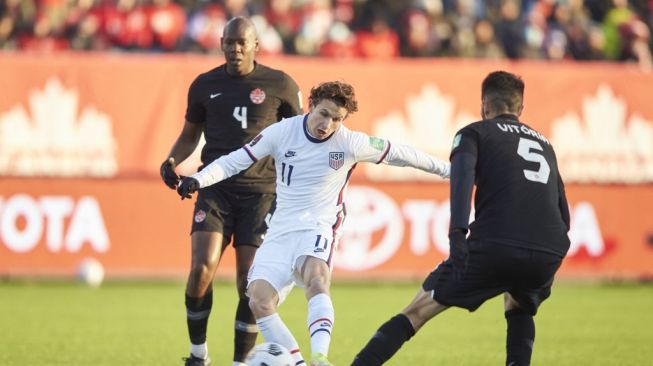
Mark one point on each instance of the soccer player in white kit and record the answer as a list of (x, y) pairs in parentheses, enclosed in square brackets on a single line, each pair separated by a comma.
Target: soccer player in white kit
[(314, 155)]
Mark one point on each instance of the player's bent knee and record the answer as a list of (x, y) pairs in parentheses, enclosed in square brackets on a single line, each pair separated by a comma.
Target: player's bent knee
[(509, 302), (422, 309), (201, 272), (317, 285), (262, 307), (263, 299)]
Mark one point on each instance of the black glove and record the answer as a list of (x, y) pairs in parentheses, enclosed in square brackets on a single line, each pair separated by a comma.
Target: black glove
[(458, 251), (187, 187), (170, 178)]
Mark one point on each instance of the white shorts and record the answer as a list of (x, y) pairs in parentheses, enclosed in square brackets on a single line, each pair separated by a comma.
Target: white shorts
[(280, 258)]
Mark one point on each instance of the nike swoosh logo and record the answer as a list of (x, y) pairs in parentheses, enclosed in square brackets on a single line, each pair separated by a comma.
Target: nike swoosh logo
[(214, 95)]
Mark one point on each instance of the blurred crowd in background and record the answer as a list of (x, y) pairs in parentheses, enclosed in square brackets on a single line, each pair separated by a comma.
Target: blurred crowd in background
[(491, 29)]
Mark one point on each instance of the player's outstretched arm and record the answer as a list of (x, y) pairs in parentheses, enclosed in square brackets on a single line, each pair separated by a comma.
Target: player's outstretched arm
[(224, 167), (227, 165), (404, 155), (379, 150)]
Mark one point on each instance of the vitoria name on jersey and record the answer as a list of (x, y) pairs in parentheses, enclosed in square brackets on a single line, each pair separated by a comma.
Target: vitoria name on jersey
[(522, 129)]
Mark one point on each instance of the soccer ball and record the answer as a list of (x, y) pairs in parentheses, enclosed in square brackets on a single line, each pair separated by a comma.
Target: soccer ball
[(269, 354), (90, 272)]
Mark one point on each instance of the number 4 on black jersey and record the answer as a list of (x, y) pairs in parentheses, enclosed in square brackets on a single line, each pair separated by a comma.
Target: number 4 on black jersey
[(236, 109)]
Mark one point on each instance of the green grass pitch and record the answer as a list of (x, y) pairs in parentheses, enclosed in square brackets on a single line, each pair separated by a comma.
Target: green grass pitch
[(127, 323)]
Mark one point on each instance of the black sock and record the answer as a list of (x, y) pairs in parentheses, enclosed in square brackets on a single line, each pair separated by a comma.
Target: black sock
[(385, 342), (520, 337), (246, 330), (197, 316)]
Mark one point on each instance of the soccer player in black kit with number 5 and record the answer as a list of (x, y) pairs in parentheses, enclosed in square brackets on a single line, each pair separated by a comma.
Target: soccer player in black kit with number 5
[(517, 240), (231, 104)]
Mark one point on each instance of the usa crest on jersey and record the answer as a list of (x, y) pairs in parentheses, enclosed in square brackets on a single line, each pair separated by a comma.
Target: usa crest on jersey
[(336, 159)]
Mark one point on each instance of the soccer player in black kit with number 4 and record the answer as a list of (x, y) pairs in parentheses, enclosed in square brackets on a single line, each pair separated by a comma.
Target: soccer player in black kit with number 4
[(517, 240), (231, 104)]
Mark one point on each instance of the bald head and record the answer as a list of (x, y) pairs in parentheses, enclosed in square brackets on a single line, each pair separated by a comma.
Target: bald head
[(239, 45), (239, 26)]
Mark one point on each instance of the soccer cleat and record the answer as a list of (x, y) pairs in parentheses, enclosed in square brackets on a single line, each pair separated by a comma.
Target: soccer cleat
[(318, 359), (196, 361)]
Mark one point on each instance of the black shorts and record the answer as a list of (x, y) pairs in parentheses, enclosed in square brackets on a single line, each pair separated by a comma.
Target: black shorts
[(492, 269), (241, 215)]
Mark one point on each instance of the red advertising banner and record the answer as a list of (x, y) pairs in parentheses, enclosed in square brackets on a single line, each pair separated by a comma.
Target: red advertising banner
[(138, 227), (82, 137)]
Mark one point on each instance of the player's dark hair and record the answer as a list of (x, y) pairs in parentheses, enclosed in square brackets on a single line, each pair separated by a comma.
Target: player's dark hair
[(340, 93), (503, 91)]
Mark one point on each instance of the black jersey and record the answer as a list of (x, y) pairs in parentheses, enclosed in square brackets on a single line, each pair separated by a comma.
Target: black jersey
[(234, 110), (520, 198)]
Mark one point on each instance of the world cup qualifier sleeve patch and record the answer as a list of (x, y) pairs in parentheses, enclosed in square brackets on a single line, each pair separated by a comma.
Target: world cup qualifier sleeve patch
[(456, 141), (377, 143)]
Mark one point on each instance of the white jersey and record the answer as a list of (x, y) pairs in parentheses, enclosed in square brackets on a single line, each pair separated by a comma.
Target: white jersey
[(312, 174)]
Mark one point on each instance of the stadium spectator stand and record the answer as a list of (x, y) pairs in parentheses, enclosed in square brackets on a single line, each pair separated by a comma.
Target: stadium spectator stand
[(583, 30)]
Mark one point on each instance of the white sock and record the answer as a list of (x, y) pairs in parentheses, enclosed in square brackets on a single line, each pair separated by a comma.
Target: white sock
[(236, 363), (274, 330), (320, 322), (199, 350)]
